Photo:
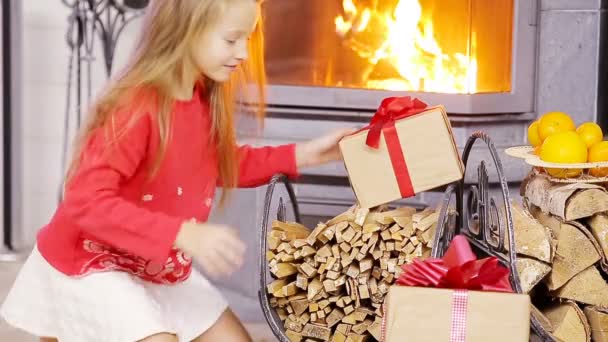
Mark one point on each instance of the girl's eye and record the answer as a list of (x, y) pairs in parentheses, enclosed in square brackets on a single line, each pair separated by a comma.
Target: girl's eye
[(230, 41)]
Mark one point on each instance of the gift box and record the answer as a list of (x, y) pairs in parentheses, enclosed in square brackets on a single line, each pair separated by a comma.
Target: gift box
[(407, 148), (457, 299)]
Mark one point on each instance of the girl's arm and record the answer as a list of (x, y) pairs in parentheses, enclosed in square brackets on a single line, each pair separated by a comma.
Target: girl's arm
[(93, 201), (258, 165)]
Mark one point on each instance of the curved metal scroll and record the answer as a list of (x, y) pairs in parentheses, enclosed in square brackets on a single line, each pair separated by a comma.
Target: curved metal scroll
[(486, 224), (269, 314)]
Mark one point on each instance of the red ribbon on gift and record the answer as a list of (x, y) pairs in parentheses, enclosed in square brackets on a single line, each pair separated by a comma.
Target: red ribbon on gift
[(392, 109), (459, 269)]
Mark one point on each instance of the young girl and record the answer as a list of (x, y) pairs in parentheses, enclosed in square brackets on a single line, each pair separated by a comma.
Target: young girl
[(114, 263)]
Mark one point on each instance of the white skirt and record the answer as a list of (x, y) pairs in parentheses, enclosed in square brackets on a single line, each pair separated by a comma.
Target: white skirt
[(108, 306)]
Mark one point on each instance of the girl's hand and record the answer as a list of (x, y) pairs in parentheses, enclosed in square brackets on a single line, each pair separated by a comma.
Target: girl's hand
[(321, 150), (217, 248)]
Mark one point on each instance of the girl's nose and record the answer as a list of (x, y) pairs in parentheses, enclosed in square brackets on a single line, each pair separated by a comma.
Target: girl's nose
[(242, 52)]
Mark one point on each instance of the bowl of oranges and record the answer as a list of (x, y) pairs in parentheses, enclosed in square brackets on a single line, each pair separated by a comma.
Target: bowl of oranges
[(564, 151)]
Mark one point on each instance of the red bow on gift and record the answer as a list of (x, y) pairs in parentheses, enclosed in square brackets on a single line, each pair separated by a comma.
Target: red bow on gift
[(391, 109), (458, 269)]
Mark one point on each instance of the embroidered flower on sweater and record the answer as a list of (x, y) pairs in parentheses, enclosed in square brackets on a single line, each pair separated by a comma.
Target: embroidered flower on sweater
[(180, 191), (147, 197)]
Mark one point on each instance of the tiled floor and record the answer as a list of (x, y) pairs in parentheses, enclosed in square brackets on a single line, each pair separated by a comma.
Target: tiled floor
[(8, 271)]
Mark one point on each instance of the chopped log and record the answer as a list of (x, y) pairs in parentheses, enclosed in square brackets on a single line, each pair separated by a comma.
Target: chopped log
[(338, 337), (531, 272), (276, 285), (307, 251), (293, 325), (316, 331), (567, 201), (348, 309), (426, 223), (356, 338), (598, 225), (532, 239), (574, 253), (289, 289), (299, 306), (283, 270), (344, 328), (273, 242), (598, 321), (327, 234), (350, 319), (569, 322), (312, 238), (334, 317), (325, 251), (320, 314), (371, 228), (330, 285), (293, 227), (293, 336), (299, 243), (542, 319), (375, 329), (304, 318), (587, 287), (361, 215), (366, 264), (314, 287), (308, 270), (402, 221)]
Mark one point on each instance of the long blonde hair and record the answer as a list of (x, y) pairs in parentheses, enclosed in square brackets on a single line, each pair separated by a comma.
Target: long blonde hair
[(157, 64)]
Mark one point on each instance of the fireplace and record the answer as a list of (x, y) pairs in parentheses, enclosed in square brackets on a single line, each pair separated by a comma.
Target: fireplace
[(473, 56), (495, 65), (542, 56)]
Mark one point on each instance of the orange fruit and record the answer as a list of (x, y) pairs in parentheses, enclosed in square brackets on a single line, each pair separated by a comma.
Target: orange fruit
[(591, 133), (554, 122), (598, 153), (533, 136), (564, 147)]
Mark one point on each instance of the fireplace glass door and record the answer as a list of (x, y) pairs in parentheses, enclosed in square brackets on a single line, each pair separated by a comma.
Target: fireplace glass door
[(437, 46)]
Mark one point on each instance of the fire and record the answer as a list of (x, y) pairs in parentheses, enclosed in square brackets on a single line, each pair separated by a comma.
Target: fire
[(405, 40)]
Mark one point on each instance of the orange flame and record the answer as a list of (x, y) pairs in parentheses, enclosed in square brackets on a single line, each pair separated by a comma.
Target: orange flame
[(406, 41)]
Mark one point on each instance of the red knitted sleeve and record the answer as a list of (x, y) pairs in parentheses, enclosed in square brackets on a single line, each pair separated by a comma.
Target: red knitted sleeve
[(93, 201), (258, 164)]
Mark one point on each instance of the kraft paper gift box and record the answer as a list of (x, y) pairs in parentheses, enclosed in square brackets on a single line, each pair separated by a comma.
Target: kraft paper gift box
[(456, 299), (419, 314), (407, 148)]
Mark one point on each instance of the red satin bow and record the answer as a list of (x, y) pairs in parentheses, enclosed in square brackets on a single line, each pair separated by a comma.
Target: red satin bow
[(391, 109), (458, 269)]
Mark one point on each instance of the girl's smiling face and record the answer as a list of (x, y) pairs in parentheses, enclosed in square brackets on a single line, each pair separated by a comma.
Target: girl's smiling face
[(223, 45)]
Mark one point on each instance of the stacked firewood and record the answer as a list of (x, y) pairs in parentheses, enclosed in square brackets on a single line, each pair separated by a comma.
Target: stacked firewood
[(562, 240), (330, 283)]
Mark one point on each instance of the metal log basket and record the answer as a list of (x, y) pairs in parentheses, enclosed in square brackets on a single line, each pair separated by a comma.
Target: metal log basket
[(275, 323), (486, 221)]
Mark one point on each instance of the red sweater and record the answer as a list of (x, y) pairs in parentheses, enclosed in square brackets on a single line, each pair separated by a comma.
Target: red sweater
[(114, 217)]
